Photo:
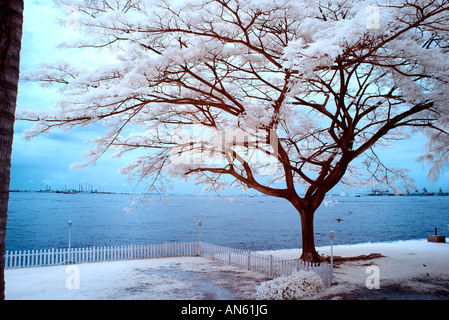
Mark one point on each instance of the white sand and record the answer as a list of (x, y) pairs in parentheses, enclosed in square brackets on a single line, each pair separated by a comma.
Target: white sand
[(180, 278), (417, 267), (403, 259), (405, 262)]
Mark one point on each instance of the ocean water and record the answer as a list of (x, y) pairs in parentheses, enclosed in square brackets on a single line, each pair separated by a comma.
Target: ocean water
[(40, 220)]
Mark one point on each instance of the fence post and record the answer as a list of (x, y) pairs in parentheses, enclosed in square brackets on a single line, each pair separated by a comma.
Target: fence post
[(271, 265), (249, 260), (18, 258), (6, 259)]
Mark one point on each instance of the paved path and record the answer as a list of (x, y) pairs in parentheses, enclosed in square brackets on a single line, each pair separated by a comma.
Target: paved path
[(188, 278)]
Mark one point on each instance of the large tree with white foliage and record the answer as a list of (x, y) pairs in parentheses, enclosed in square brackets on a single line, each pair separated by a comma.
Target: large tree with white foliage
[(275, 95)]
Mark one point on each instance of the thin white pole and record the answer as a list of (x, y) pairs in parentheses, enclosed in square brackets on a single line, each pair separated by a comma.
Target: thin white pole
[(199, 237), (331, 236), (69, 255), (70, 233)]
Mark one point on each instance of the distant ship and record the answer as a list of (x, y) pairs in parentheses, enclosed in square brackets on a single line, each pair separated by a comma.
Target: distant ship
[(378, 192), (441, 193)]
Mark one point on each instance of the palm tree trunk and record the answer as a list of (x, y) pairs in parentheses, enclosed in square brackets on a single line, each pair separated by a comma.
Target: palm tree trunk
[(11, 20)]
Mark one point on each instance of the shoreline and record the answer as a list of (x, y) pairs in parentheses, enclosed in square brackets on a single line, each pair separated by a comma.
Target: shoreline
[(406, 269)]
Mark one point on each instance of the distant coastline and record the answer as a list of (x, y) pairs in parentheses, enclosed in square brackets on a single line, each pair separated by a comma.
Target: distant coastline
[(70, 191), (83, 188), (424, 192), (372, 193)]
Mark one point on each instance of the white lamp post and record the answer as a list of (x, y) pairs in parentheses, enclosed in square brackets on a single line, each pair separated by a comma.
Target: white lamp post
[(199, 237), (70, 233), (69, 254), (331, 236)]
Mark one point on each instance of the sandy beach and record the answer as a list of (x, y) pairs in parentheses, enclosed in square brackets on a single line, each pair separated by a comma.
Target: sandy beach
[(413, 269), (400, 270)]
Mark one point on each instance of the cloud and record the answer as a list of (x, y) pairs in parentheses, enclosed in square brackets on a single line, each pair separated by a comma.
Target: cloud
[(41, 33)]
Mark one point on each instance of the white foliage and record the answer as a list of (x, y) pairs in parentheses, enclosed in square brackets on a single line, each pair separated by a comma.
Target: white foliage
[(235, 67), (297, 286), (436, 151)]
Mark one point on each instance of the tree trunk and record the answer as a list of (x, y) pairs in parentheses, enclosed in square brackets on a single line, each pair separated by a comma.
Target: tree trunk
[(11, 20), (306, 208), (308, 239)]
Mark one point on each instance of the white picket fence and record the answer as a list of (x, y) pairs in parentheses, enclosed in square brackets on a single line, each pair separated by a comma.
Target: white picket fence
[(48, 257), (253, 261), (263, 263)]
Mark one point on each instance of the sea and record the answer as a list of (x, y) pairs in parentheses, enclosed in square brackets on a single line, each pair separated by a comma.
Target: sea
[(40, 220)]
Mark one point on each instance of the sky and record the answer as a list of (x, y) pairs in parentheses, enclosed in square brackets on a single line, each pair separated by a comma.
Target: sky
[(45, 161)]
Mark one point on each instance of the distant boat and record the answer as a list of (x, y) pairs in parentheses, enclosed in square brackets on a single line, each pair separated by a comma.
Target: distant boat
[(377, 192)]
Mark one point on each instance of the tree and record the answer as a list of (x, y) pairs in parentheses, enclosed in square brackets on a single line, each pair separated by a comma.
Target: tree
[(11, 18), (272, 95)]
